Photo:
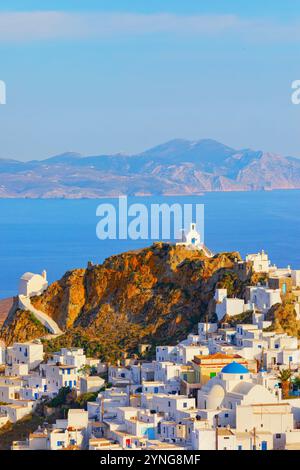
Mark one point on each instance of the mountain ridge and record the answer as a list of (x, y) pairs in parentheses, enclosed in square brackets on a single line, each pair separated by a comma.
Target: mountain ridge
[(179, 166)]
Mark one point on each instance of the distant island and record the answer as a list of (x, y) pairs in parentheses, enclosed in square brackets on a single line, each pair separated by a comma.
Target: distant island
[(179, 167)]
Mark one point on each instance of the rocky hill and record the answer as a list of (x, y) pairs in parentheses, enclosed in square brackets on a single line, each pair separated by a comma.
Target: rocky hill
[(178, 167), (154, 295)]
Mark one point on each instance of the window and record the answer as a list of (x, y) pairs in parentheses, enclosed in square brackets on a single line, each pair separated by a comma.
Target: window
[(278, 436), (241, 377), (212, 374), (59, 443), (185, 405), (226, 415)]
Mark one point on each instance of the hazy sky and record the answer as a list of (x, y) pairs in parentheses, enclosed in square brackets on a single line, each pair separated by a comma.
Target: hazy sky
[(99, 76)]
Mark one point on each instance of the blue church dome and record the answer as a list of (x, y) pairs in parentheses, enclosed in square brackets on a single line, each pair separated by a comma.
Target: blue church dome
[(234, 368)]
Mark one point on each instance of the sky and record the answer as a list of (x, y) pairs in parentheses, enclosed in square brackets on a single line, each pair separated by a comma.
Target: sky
[(99, 76)]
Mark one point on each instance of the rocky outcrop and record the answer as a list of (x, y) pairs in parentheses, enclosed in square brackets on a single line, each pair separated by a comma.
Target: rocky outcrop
[(157, 294), (22, 326), (284, 319)]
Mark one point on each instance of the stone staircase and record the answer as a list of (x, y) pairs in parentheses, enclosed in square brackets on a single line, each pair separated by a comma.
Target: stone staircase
[(48, 322)]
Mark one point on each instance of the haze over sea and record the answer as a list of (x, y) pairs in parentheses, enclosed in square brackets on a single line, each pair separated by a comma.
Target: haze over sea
[(58, 235)]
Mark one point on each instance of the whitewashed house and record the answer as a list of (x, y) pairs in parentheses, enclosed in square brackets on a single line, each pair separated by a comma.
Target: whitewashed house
[(18, 410), (171, 405), (296, 277), (69, 356), (167, 353), (70, 433), (167, 371), (275, 418), (91, 384), (2, 353), (226, 306), (205, 329), (15, 369), (107, 402), (30, 353), (264, 298), (260, 262), (58, 376)]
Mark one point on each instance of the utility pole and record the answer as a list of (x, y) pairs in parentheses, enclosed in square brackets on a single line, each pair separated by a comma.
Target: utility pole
[(102, 408), (217, 432), (254, 438), (129, 392)]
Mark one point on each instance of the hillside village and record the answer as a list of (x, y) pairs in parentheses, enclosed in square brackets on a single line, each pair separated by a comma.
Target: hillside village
[(233, 384)]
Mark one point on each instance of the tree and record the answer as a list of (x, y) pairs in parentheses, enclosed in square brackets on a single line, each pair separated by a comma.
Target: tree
[(285, 379), (61, 397), (85, 370)]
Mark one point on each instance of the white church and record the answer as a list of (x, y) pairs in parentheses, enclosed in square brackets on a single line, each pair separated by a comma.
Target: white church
[(33, 284), (192, 239)]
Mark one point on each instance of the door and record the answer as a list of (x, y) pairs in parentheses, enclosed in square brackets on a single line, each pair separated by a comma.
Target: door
[(128, 442), (264, 445)]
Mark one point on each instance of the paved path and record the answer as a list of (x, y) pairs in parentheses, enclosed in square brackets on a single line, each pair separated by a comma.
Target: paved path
[(48, 322)]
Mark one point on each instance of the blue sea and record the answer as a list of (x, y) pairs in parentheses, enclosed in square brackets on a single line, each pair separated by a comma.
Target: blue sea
[(58, 235)]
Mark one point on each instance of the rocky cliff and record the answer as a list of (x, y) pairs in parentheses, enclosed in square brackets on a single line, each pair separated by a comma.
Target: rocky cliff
[(156, 295)]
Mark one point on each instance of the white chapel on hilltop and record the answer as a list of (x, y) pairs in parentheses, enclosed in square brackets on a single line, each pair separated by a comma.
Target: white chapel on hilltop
[(33, 284), (192, 239)]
